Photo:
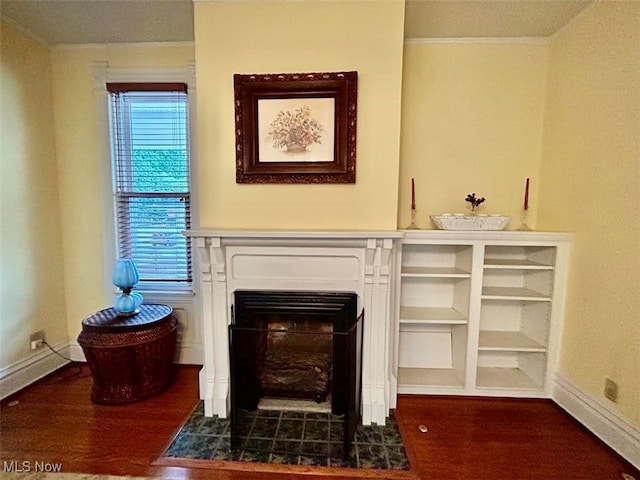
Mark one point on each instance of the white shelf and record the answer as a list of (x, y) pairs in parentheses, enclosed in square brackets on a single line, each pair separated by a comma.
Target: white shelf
[(513, 293), (511, 264), (504, 378), (500, 341), (438, 272), (432, 315), (433, 377)]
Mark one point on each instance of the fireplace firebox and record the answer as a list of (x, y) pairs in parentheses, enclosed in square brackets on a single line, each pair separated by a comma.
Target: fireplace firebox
[(296, 346)]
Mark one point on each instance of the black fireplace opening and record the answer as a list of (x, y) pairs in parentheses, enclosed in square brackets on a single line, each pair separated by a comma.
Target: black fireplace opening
[(296, 346), (296, 360)]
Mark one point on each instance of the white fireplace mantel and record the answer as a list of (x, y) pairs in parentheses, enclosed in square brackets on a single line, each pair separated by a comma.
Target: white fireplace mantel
[(353, 261)]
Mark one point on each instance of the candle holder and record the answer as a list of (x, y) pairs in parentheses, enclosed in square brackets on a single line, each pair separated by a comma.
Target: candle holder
[(413, 225), (523, 223)]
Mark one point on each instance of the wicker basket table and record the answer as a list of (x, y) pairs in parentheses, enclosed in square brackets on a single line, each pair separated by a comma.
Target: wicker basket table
[(131, 358)]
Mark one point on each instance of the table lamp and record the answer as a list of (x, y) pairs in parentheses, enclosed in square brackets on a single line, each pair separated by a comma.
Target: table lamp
[(125, 276)]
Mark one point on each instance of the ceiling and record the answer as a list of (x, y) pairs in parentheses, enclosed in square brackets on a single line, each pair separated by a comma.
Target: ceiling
[(101, 21), (129, 21), (488, 18)]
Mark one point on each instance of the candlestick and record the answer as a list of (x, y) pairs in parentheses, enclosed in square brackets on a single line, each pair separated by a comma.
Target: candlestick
[(413, 225), (523, 223), (413, 195), (525, 208)]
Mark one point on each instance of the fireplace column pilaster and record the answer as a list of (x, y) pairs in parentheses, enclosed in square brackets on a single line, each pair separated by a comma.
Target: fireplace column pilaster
[(214, 376), (207, 373), (375, 405)]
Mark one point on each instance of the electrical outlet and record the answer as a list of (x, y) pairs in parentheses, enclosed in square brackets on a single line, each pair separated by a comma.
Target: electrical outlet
[(610, 389), (36, 340)]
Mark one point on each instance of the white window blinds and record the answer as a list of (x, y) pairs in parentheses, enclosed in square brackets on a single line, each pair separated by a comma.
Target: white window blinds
[(150, 151)]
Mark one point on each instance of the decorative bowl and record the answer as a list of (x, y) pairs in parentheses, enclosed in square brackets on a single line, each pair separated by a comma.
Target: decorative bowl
[(458, 221)]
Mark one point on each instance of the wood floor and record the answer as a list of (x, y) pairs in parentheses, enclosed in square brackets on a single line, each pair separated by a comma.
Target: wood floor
[(468, 438)]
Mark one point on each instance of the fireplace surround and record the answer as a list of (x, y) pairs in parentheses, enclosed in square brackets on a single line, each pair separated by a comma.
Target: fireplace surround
[(345, 261)]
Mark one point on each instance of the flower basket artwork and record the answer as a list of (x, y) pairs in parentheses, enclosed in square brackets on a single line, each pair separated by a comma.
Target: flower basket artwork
[(295, 131)]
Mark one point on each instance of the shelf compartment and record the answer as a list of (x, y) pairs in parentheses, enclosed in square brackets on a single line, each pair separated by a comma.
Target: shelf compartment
[(429, 377), (511, 370), (436, 293), (504, 379), (432, 315), (426, 347), (492, 340), (499, 263), (432, 355), (520, 255), (532, 283), (436, 259), (444, 272), (514, 293), (517, 321)]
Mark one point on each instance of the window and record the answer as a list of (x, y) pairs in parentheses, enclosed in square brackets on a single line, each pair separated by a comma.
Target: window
[(150, 165)]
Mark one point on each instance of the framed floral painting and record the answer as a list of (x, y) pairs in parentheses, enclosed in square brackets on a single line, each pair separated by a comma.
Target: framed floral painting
[(296, 127)]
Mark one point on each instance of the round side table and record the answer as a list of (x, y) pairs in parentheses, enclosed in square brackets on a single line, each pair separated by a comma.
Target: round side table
[(130, 357)]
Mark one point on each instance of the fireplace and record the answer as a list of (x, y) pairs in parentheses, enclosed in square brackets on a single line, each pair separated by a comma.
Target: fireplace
[(362, 262), (296, 346)]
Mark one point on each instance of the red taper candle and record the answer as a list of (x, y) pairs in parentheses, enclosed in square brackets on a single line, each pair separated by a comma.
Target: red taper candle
[(413, 195), (526, 195)]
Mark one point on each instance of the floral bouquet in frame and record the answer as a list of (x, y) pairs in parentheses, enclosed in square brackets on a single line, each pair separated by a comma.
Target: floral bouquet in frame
[(294, 131)]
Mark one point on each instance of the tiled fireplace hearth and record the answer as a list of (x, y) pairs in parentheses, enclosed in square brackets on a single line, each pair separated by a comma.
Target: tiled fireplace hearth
[(358, 262)]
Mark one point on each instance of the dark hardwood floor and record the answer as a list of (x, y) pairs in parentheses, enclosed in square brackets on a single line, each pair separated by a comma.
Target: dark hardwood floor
[(468, 438)]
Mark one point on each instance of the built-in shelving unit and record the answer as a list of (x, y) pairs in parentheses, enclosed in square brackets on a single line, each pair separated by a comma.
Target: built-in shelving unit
[(478, 312)]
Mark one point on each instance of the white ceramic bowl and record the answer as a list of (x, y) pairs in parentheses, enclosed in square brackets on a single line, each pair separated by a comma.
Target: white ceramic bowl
[(470, 222)]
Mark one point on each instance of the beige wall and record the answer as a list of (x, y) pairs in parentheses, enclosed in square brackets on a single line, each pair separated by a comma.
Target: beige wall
[(589, 185), (277, 37), (31, 266), (472, 115), (81, 175)]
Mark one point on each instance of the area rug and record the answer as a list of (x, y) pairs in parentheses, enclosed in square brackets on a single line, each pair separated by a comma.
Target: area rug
[(289, 438)]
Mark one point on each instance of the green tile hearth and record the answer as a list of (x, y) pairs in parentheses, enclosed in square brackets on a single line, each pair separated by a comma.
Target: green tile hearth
[(292, 438)]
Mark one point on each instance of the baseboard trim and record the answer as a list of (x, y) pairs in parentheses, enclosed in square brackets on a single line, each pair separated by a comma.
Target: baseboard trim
[(608, 425), (39, 364), (35, 366)]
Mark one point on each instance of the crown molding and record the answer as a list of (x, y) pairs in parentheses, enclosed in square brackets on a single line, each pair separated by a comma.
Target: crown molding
[(508, 40), (73, 46)]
